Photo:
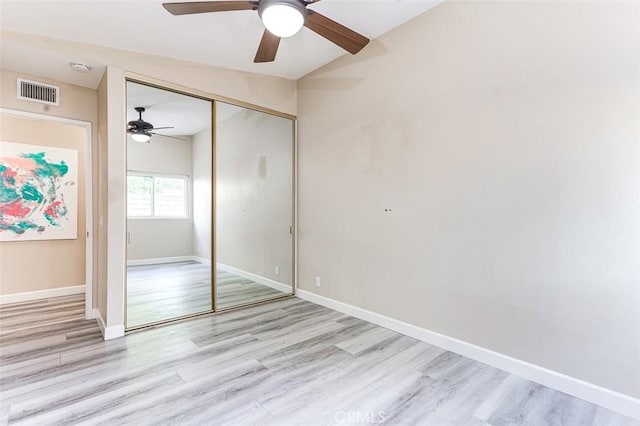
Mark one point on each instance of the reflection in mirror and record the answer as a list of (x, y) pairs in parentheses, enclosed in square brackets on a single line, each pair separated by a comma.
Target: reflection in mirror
[(254, 206), (168, 182)]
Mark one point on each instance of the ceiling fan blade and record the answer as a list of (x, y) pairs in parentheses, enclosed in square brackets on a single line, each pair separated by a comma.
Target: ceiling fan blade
[(268, 48), (337, 33), (167, 136), (161, 128), (188, 8)]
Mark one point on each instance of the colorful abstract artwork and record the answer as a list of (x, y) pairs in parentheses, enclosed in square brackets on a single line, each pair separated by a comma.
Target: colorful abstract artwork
[(38, 192)]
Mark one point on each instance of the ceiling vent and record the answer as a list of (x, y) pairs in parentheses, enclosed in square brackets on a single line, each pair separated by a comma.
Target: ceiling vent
[(38, 92)]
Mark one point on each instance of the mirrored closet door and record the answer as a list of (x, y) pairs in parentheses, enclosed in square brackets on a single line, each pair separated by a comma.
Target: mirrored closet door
[(169, 170), (254, 212)]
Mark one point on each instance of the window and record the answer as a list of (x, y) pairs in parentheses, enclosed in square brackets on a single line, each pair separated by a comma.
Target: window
[(157, 196)]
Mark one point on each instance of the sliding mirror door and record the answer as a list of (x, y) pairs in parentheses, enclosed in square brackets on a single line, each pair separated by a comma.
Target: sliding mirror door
[(168, 188), (254, 159)]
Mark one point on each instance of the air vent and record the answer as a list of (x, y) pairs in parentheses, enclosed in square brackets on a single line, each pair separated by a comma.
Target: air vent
[(38, 92)]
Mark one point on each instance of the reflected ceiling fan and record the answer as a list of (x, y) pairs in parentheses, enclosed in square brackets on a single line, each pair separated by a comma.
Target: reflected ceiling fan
[(141, 131), (281, 18)]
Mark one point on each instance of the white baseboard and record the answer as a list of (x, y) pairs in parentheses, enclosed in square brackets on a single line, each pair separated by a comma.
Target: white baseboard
[(256, 278), (111, 332), (604, 397), (202, 260), (159, 260), (41, 294)]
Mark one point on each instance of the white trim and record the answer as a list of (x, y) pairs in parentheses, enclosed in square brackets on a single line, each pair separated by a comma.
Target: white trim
[(257, 278), (28, 296), (604, 397), (88, 167), (88, 202), (295, 206), (108, 333), (201, 260), (44, 117), (159, 260)]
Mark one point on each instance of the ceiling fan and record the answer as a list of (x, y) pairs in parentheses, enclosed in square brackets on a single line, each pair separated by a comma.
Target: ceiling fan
[(281, 18), (141, 130)]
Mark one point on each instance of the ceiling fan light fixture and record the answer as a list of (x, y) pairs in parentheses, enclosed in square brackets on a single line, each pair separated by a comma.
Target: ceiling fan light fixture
[(282, 18), (142, 137)]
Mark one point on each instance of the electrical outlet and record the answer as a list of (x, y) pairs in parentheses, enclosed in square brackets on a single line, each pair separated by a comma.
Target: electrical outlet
[(277, 270), (317, 281)]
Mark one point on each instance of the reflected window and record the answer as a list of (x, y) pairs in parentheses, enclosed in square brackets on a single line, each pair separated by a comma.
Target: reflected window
[(157, 196)]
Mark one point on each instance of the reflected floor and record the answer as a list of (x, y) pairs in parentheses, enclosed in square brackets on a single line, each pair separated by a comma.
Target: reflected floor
[(234, 290), (161, 292)]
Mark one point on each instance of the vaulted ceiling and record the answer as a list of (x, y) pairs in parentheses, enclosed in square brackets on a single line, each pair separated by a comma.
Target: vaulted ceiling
[(224, 39)]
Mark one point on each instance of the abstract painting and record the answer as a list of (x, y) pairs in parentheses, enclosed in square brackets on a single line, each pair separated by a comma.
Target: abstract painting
[(38, 192)]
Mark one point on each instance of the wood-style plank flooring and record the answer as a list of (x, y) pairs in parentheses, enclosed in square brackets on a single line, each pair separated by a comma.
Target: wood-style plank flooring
[(161, 292), (287, 362)]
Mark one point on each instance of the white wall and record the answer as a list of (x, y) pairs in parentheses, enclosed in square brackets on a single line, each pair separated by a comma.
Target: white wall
[(202, 216), (504, 137), (160, 238), (113, 217), (254, 189), (100, 213)]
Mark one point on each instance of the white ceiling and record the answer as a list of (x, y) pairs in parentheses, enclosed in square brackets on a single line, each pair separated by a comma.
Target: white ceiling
[(186, 114), (225, 39)]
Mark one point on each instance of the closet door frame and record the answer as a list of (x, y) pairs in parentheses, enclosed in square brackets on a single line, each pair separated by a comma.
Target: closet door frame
[(213, 99)]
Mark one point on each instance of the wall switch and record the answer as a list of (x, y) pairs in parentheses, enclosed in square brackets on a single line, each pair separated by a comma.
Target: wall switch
[(277, 270), (317, 281)]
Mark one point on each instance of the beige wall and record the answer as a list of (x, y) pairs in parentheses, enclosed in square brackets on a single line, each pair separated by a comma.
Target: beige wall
[(503, 136), (202, 216), (159, 238), (109, 151), (78, 103), (75, 102), (42, 265), (254, 178)]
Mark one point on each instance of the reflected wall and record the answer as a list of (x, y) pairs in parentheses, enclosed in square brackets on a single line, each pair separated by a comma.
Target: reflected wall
[(168, 186), (254, 205)]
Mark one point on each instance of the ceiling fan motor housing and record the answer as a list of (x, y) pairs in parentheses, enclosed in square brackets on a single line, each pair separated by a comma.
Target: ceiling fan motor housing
[(140, 125), (299, 5)]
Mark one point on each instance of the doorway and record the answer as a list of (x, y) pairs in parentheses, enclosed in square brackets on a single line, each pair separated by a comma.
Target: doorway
[(53, 227)]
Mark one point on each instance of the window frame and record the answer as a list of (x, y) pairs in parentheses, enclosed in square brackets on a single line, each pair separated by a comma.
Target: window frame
[(153, 176)]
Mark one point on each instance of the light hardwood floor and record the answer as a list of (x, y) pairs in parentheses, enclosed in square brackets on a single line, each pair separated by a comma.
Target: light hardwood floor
[(287, 362), (161, 292)]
